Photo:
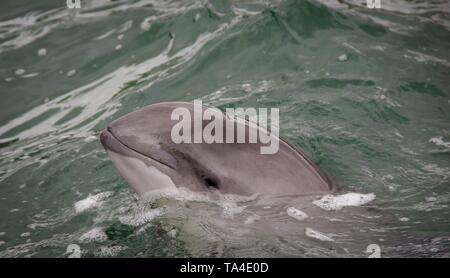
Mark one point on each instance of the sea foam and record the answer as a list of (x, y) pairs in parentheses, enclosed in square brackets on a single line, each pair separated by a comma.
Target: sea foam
[(92, 201), (296, 213), (330, 202), (95, 235), (317, 235)]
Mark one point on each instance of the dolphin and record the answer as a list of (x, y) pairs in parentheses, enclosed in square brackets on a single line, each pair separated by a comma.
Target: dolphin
[(141, 148)]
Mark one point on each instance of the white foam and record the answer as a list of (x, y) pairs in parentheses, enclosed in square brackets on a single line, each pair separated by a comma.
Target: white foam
[(247, 87), (90, 138), (125, 27), (71, 73), (197, 17), (438, 141), (317, 235), (30, 75), (430, 199), (398, 134), (228, 202), (20, 71), (105, 35), (140, 218), (26, 234), (296, 213), (144, 228), (110, 251), (244, 12), (42, 52), (343, 58), (330, 202), (230, 209), (95, 235), (173, 233), (92, 201)]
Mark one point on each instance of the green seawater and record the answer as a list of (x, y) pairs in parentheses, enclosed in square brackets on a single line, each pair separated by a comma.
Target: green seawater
[(364, 92)]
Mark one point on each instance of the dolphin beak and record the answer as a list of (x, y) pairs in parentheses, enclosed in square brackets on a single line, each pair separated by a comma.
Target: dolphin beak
[(105, 138), (111, 143)]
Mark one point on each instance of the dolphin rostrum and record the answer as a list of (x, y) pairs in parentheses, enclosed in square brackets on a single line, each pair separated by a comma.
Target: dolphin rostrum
[(142, 149)]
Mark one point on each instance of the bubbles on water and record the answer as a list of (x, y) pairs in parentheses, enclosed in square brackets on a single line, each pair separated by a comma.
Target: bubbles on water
[(71, 73), (438, 141), (30, 75), (296, 213), (109, 251), (330, 202), (125, 26), (228, 202), (230, 209), (97, 234), (173, 232), (431, 199), (20, 71), (343, 58), (42, 52), (317, 235), (246, 87), (141, 217), (90, 138), (26, 234), (197, 17), (92, 201)]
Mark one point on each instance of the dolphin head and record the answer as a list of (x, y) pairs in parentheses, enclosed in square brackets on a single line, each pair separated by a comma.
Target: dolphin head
[(141, 148)]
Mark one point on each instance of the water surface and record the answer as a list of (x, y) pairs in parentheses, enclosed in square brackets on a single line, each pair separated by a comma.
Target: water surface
[(365, 92)]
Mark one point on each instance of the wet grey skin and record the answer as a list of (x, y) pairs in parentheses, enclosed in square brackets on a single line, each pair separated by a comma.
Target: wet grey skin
[(140, 147)]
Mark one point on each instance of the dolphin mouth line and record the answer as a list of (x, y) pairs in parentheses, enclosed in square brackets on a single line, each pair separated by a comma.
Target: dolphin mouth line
[(109, 132)]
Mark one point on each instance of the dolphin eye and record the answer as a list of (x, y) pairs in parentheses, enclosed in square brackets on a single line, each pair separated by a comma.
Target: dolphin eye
[(210, 182)]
